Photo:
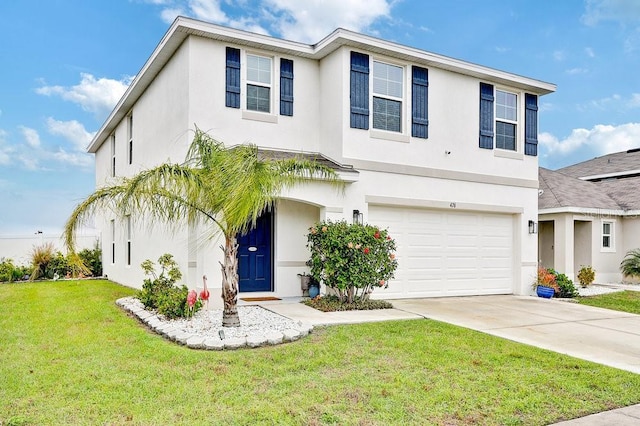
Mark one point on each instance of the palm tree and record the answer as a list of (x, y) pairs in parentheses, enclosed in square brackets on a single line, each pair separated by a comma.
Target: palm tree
[(630, 265), (228, 188)]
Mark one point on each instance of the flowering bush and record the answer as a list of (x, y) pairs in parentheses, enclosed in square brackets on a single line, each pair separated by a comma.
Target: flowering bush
[(352, 259), (160, 292)]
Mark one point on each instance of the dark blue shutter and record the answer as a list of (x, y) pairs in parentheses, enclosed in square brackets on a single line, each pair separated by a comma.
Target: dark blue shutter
[(233, 78), (359, 90), (486, 116), (286, 87), (420, 103), (530, 124)]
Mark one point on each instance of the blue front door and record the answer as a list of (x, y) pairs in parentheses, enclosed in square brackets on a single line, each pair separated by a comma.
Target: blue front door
[(254, 256)]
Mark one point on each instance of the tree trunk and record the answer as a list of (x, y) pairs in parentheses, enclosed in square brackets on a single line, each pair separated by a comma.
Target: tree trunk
[(230, 283)]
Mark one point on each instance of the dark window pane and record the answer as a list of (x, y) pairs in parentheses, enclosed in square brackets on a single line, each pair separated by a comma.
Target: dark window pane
[(505, 136), (258, 98), (387, 114)]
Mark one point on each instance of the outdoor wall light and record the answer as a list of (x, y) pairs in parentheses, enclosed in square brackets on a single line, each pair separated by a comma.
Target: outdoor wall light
[(533, 227), (357, 217)]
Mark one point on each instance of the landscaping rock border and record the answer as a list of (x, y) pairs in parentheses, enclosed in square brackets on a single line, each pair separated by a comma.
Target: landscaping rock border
[(263, 332)]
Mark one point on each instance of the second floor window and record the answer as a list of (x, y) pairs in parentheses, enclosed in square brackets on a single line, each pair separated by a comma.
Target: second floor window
[(387, 96), (258, 83), (506, 120), (130, 137), (113, 155)]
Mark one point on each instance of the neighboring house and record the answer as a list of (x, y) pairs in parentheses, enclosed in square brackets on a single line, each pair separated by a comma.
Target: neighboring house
[(588, 215), (440, 151)]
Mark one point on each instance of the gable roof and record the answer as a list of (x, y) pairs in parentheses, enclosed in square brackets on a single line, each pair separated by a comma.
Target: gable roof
[(616, 164), (562, 191), (183, 27)]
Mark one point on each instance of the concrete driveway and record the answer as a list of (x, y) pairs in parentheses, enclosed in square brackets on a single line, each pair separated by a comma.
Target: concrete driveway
[(600, 335)]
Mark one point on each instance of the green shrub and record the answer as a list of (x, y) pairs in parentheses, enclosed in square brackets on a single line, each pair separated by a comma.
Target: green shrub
[(10, 272), (332, 303), (58, 266), (630, 266), (352, 259), (160, 292), (92, 259), (586, 276), (565, 285)]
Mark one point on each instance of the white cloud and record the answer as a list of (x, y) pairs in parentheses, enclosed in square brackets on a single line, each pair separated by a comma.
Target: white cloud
[(96, 95), (29, 161), (589, 52), (5, 150), (558, 55), (575, 71), (72, 130), (78, 159), (307, 21), (609, 102), (314, 19), (634, 102), (31, 136), (611, 10), (601, 139)]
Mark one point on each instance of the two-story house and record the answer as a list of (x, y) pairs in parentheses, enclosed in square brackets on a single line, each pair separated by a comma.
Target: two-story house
[(440, 151)]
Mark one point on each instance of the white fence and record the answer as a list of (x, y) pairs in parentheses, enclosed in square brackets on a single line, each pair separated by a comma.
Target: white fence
[(19, 247)]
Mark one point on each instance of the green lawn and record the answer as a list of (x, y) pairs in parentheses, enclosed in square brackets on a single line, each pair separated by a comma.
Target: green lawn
[(625, 301), (69, 355)]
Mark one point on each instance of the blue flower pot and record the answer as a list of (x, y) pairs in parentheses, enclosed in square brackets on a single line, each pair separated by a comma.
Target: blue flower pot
[(544, 291), (314, 290)]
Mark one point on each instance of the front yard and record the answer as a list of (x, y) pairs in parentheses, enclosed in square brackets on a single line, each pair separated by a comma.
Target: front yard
[(69, 355)]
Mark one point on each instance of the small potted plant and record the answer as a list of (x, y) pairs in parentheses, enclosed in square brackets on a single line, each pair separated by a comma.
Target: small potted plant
[(545, 284), (586, 276)]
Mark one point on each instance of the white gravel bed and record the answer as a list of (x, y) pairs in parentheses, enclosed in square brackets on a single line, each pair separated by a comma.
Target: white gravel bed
[(594, 290), (254, 320), (258, 327)]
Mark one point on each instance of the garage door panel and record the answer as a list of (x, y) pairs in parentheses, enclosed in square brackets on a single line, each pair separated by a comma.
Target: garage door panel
[(443, 253)]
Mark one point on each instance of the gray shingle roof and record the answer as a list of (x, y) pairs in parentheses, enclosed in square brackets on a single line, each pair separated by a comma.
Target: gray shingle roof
[(560, 190), (611, 163), (625, 191)]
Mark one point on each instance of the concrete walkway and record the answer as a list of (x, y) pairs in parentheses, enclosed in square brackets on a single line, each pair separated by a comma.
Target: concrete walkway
[(600, 335)]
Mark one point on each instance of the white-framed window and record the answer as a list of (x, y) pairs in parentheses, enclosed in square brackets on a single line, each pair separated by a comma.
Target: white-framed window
[(608, 229), (259, 83), (128, 240), (130, 137), (113, 155), (388, 96), (113, 241), (506, 120)]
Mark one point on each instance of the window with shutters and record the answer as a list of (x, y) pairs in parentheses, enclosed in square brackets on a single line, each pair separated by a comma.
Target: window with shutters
[(501, 118), (259, 83), (388, 118), (388, 92)]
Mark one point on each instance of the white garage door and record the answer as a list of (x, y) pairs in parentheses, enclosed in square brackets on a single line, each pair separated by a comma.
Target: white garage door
[(445, 253)]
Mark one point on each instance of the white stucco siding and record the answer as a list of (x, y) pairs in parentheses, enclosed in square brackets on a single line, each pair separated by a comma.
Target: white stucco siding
[(452, 142), (160, 117), (334, 103), (233, 126)]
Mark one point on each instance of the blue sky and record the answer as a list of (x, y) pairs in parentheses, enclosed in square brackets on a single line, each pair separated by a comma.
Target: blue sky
[(65, 63)]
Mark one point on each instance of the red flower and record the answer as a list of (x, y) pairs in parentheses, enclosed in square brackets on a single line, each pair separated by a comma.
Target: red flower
[(376, 235), (381, 283), (388, 237), (366, 250), (191, 298)]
